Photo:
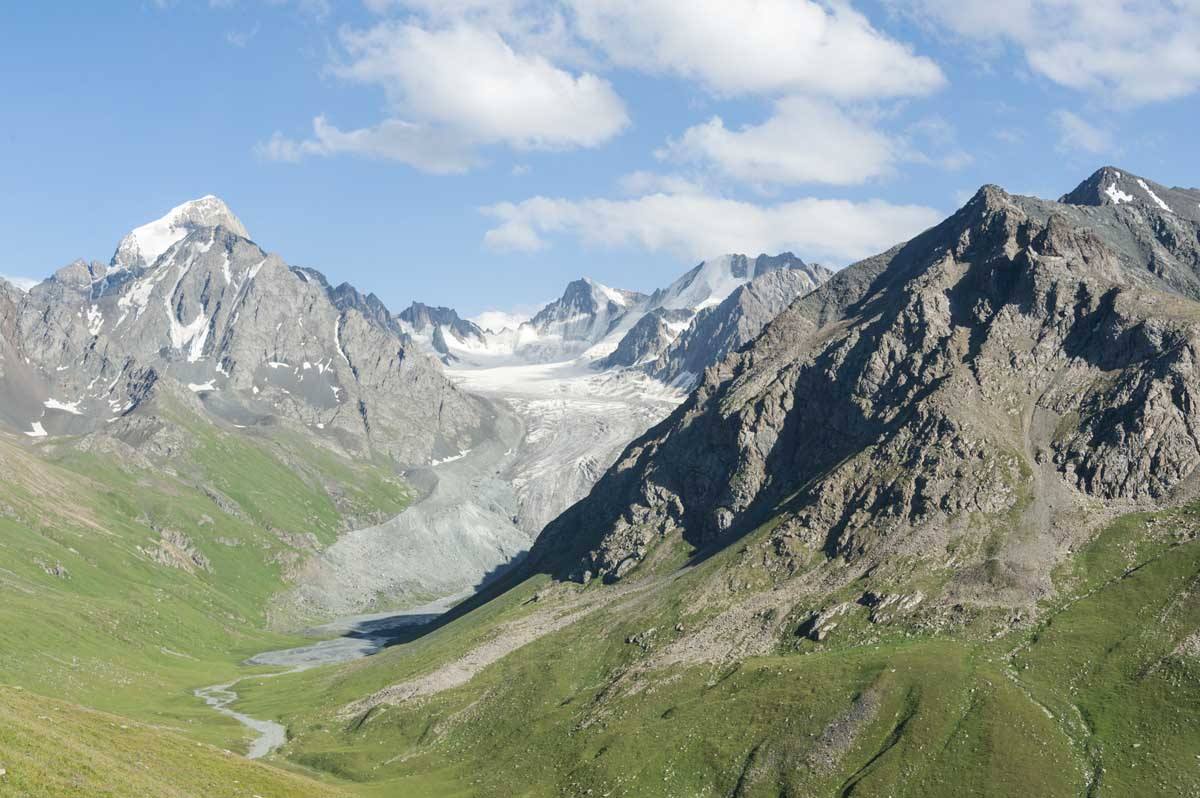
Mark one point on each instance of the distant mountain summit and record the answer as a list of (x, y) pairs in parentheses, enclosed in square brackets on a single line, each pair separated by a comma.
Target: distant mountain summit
[(434, 324), (1110, 186), (718, 330), (143, 245), (713, 280), (610, 328)]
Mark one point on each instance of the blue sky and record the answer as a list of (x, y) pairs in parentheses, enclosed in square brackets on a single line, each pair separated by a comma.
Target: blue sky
[(481, 154)]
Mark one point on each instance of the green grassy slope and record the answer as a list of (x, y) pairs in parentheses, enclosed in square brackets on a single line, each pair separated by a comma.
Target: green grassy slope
[(1101, 697), (52, 749), (97, 610)]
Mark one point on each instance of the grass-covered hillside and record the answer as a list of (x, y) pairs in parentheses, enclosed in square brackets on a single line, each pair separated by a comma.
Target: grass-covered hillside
[(128, 581), (53, 749), (558, 690)]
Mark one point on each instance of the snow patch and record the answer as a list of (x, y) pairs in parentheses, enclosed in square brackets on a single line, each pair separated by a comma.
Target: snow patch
[(450, 459), (337, 337), (1117, 195), (1153, 196), (38, 430), (201, 387), (95, 320), (611, 294), (66, 407), (191, 335)]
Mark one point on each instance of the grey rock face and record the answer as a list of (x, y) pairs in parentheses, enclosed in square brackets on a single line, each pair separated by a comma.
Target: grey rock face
[(347, 297), (707, 313), (586, 313), (1021, 361), (646, 339), (251, 337), (438, 323), (720, 330)]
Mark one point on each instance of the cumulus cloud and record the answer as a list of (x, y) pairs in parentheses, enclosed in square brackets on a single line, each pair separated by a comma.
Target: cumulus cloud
[(526, 74), (758, 46), (804, 141), (496, 320), (696, 226), (816, 60), (646, 182), (453, 91), (433, 150), (536, 26), (1129, 52), (470, 78), (1076, 134)]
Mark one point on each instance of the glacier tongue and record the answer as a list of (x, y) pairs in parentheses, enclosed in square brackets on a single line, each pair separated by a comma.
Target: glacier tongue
[(575, 420)]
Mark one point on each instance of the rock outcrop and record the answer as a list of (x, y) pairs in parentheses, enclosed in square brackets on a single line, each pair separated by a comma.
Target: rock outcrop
[(721, 329)]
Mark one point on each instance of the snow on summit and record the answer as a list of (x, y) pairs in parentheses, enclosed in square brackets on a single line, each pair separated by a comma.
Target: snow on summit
[(145, 244)]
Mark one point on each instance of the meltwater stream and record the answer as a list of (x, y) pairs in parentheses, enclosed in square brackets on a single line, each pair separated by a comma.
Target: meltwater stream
[(357, 636)]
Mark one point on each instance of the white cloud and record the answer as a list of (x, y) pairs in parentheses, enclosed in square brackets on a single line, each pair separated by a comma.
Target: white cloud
[(758, 46), (644, 182), (1009, 135), (811, 141), (1131, 52), (696, 226), (803, 142), (1077, 134), (455, 90), (23, 283), (496, 320), (937, 135), (534, 26), (471, 79), (426, 148)]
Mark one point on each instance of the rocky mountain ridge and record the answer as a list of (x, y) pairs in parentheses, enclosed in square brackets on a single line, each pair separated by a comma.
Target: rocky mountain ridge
[(610, 328), (1024, 363), (252, 337)]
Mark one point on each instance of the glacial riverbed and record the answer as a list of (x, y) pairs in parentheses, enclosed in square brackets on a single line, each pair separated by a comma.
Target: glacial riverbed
[(344, 639)]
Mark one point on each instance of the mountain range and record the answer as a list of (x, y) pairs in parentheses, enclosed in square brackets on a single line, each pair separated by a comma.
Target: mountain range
[(923, 526), (190, 311)]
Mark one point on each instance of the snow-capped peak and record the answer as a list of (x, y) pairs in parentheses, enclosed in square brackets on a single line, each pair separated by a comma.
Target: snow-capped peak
[(610, 294), (716, 278), (145, 244), (1112, 186)]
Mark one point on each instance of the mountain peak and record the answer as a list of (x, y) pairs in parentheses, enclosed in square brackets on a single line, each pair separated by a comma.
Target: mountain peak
[(588, 295), (1110, 185), (142, 246)]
